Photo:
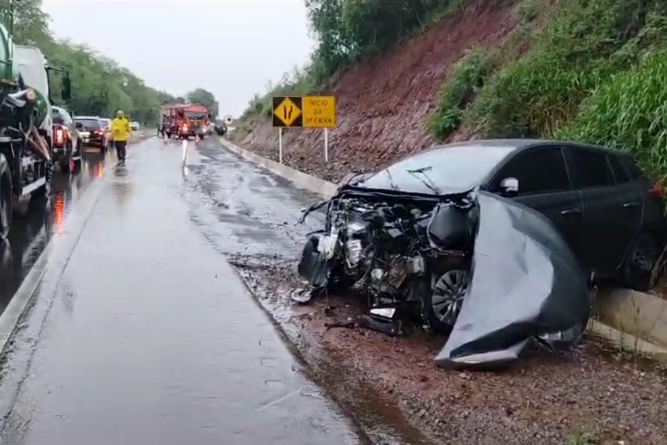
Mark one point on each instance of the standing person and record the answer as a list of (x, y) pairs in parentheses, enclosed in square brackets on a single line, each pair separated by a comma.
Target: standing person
[(121, 131)]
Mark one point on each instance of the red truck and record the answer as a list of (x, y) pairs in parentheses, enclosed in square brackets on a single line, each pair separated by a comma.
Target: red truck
[(183, 120)]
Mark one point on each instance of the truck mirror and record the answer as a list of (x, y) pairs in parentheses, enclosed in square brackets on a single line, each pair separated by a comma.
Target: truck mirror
[(67, 88)]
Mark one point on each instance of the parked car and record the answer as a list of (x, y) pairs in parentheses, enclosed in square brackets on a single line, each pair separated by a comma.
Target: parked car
[(93, 132), (134, 126), (67, 144), (604, 207)]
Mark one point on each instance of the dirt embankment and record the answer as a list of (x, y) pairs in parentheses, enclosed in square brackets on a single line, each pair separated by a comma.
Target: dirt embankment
[(383, 104)]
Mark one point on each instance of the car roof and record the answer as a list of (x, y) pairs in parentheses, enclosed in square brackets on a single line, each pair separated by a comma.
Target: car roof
[(525, 144), (86, 117)]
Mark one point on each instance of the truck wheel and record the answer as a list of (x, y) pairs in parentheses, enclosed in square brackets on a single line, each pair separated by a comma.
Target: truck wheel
[(5, 201)]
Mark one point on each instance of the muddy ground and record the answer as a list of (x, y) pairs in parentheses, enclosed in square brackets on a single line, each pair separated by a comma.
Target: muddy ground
[(591, 392)]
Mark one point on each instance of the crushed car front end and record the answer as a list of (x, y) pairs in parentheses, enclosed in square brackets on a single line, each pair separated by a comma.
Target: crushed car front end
[(430, 255)]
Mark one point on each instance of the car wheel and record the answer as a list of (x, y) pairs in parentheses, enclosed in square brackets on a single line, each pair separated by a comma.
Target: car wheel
[(640, 263), (5, 202), (443, 303)]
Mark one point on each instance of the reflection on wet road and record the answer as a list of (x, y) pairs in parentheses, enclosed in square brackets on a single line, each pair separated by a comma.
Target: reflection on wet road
[(42, 217), (142, 333)]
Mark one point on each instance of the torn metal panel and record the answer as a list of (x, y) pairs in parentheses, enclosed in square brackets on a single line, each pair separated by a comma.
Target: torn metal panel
[(526, 286)]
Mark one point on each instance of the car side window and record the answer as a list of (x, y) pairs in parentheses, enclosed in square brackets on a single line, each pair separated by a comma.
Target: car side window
[(620, 173), (632, 168), (589, 168), (540, 170)]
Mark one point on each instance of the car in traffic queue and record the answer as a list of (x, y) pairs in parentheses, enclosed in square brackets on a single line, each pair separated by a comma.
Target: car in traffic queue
[(67, 142), (92, 131)]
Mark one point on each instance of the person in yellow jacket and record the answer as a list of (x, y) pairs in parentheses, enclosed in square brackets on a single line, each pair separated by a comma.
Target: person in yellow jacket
[(121, 132)]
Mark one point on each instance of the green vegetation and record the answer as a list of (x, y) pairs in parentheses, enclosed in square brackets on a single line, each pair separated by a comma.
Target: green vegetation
[(347, 31), (595, 74), (464, 79), (100, 85), (594, 71)]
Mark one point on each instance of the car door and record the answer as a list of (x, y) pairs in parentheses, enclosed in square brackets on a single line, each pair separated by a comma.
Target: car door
[(544, 186), (613, 206)]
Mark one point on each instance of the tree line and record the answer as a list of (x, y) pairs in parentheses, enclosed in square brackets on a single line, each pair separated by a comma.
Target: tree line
[(348, 30), (100, 85)]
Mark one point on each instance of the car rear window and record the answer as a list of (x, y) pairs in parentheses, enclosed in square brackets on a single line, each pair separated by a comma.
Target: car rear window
[(89, 124), (57, 117), (589, 168)]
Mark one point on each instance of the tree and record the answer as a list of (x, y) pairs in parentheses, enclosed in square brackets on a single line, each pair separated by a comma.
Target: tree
[(100, 86), (205, 98)]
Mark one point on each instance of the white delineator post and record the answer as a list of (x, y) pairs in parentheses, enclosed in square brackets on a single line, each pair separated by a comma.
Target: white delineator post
[(280, 145), (185, 150), (326, 145)]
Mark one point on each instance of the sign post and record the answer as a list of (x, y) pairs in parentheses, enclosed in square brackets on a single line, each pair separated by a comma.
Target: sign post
[(304, 112), (280, 145)]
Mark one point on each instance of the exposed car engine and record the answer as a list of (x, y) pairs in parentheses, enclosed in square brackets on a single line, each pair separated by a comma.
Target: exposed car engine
[(401, 252)]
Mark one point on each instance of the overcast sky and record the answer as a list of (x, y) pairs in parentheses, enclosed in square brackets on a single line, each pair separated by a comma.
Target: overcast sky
[(229, 47)]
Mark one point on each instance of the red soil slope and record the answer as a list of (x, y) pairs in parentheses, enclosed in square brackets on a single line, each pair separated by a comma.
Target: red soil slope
[(383, 104)]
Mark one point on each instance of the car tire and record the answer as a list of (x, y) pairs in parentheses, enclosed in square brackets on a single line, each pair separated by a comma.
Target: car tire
[(5, 202), (444, 298), (639, 265)]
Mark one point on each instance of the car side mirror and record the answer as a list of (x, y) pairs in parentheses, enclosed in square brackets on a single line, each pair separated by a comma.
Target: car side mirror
[(67, 89), (509, 186), (78, 125)]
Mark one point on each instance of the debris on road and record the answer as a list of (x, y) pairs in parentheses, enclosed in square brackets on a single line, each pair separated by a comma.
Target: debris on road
[(494, 274)]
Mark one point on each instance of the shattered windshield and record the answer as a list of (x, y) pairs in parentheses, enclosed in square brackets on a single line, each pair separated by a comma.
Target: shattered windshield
[(440, 170)]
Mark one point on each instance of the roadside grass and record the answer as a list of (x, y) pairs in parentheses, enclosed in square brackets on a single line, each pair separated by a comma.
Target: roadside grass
[(464, 80)]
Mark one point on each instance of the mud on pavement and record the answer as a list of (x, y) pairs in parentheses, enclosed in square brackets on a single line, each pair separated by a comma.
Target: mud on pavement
[(589, 392)]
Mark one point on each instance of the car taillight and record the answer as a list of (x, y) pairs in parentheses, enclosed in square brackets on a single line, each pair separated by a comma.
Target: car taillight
[(59, 136), (657, 191), (99, 132)]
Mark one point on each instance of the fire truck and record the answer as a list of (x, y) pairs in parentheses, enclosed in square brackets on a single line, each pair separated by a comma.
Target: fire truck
[(183, 121)]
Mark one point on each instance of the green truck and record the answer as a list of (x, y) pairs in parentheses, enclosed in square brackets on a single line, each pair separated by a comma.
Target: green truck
[(26, 127)]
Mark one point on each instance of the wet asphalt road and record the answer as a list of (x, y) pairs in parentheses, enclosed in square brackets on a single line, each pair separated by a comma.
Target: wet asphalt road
[(141, 332), (32, 230)]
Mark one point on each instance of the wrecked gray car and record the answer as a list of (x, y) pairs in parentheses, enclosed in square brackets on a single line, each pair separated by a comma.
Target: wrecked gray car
[(425, 238)]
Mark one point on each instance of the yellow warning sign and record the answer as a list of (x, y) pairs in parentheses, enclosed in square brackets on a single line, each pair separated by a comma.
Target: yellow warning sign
[(287, 112), (319, 111)]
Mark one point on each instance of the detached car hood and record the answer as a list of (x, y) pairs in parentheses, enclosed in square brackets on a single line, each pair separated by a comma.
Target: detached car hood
[(526, 287)]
